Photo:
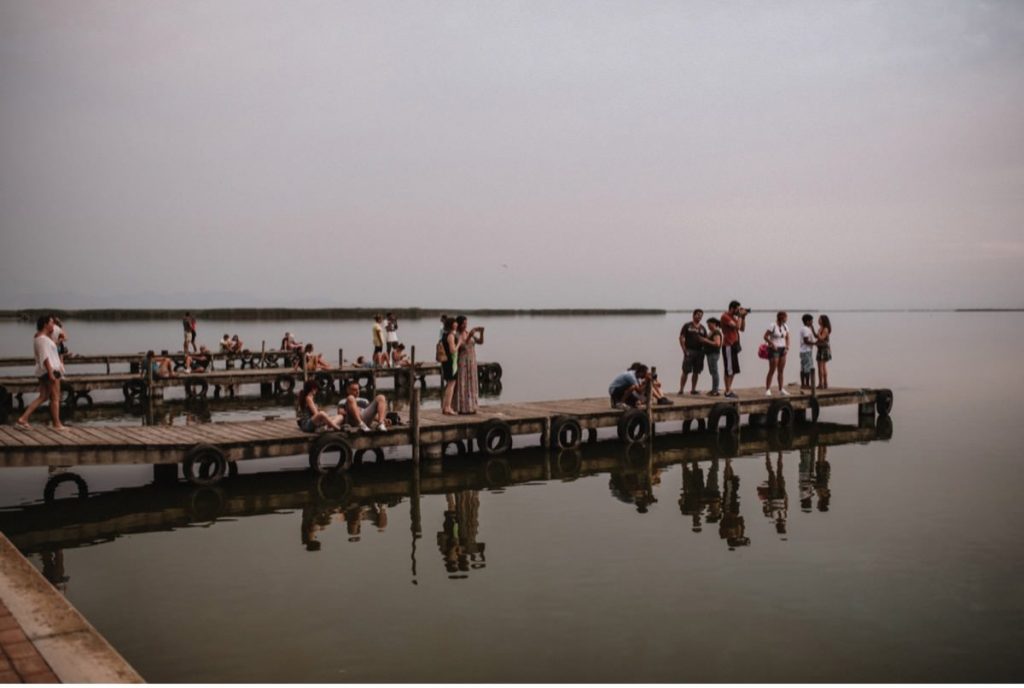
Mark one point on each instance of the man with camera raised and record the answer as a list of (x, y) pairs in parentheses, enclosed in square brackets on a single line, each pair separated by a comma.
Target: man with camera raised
[(733, 322)]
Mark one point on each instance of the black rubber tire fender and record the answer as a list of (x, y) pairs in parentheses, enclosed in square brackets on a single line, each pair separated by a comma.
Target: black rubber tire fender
[(814, 406), (83, 399), (569, 463), (494, 437), (460, 447), (50, 491), (360, 455), (330, 442), (566, 433), (325, 382), (634, 426), (883, 401), (883, 428), (133, 389), (780, 414), (691, 425), (496, 372), (497, 473), (727, 411), (334, 487), (284, 385), (204, 465)]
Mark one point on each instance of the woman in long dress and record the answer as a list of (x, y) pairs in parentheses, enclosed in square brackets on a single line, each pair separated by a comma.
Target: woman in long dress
[(466, 377)]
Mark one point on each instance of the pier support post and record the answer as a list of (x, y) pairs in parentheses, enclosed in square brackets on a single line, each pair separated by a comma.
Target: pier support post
[(341, 358), (414, 426), (650, 406), (433, 451)]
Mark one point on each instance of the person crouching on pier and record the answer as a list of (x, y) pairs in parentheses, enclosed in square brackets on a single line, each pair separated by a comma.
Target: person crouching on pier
[(49, 369), (308, 415), (627, 389), (366, 415)]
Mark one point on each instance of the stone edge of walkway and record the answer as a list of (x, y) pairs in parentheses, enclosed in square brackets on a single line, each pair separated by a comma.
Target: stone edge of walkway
[(75, 651)]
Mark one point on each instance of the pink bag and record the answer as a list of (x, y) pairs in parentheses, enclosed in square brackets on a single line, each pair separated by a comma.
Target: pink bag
[(763, 351)]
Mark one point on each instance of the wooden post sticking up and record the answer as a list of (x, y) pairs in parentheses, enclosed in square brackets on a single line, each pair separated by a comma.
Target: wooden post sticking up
[(650, 406), (414, 427), (341, 358), (412, 374)]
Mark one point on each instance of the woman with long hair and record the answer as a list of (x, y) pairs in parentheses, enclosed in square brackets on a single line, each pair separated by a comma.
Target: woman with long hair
[(777, 338), (449, 366), (308, 415), (824, 349), (466, 401)]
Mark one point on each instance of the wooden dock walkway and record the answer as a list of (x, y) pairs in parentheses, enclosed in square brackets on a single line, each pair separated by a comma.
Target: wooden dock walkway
[(64, 523), (206, 450)]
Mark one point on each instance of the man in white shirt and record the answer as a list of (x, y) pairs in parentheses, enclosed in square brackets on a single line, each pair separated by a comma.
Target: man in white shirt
[(807, 340), (49, 369)]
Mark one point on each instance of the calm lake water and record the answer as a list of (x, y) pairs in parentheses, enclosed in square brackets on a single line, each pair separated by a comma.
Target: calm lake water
[(867, 560)]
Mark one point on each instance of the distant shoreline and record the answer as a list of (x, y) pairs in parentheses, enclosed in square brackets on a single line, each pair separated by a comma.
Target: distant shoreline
[(140, 314), (136, 314)]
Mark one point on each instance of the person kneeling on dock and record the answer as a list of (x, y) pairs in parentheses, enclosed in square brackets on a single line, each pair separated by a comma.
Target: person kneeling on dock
[(366, 415), (308, 415), (627, 388)]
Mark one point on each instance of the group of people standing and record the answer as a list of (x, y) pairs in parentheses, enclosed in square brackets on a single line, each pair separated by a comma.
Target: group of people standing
[(721, 339)]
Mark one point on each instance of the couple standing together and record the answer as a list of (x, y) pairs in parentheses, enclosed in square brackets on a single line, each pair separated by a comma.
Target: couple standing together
[(456, 352), (722, 341)]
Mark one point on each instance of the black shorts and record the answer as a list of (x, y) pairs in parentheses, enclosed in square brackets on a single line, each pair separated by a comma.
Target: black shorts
[(448, 371), (693, 361), (730, 360), (378, 349)]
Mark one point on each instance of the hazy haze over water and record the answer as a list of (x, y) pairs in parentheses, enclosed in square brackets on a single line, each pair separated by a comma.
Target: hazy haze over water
[(835, 154)]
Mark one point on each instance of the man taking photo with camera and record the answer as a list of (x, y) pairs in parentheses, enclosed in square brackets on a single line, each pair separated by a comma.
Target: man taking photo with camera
[(733, 322)]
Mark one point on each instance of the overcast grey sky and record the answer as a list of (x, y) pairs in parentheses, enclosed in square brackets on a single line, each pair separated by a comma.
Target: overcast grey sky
[(511, 154)]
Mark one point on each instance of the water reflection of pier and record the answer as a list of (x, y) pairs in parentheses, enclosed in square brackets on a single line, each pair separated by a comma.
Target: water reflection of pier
[(710, 494)]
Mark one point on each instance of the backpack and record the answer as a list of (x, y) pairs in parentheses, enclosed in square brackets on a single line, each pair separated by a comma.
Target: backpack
[(440, 355)]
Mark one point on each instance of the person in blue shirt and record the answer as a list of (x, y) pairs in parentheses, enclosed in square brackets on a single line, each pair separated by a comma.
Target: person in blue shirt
[(627, 387)]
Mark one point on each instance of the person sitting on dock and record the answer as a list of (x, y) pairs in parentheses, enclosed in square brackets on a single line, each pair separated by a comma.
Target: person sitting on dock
[(398, 357), (226, 344), (314, 361), (162, 366), (363, 414), (199, 363), (308, 415), (626, 390), (290, 343)]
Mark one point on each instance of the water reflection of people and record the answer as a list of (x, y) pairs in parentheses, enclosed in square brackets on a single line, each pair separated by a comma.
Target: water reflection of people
[(53, 569), (690, 501), (457, 540), (772, 492), (635, 487), (822, 473), (806, 478), (712, 495), (731, 528), (316, 518)]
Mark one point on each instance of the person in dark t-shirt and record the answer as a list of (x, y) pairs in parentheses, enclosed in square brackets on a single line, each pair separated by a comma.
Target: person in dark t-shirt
[(693, 337)]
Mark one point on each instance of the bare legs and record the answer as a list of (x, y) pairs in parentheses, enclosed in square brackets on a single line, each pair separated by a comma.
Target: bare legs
[(775, 366), (449, 396), (822, 374), (47, 391)]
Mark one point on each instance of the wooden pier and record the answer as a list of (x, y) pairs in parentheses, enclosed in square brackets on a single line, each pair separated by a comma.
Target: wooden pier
[(86, 519), (272, 381), (207, 450)]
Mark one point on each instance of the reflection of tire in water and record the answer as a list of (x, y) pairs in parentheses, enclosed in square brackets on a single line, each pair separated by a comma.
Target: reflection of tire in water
[(334, 487), (569, 463), (814, 407), (360, 455), (497, 473), (330, 452), (725, 445), (883, 428), (206, 504), (204, 465), (50, 491), (780, 439), (636, 454)]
